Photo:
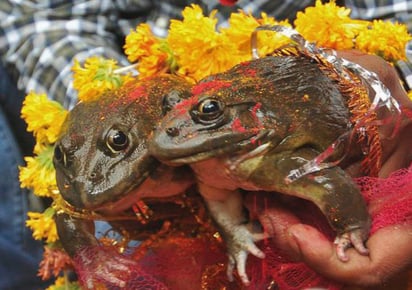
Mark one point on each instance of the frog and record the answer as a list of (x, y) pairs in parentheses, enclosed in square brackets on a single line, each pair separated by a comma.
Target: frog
[(103, 168), (246, 129)]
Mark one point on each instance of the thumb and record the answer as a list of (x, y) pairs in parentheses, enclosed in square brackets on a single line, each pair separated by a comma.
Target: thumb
[(318, 252), (309, 245)]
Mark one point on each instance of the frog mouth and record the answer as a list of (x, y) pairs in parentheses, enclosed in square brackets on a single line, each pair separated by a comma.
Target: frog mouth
[(252, 144), (121, 198)]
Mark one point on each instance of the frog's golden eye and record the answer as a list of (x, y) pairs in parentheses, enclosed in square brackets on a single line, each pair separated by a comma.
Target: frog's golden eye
[(117, 141), (208, 110)]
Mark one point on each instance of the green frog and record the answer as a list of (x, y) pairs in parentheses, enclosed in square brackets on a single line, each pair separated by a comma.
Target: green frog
[(103, 166), (248, 128)]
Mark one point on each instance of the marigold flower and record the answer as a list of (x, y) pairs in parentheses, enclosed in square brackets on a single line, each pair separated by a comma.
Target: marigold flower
[(241, 27), (199, 49), (44, 118), (152, 53), (55, 260), (329, 25), (39, 173), (63, 283), (43, 225), (385, 39), (97, 76)]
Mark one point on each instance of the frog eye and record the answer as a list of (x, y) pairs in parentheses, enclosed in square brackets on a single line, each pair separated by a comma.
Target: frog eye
[(208, 110), (117, 141), (59, 155)]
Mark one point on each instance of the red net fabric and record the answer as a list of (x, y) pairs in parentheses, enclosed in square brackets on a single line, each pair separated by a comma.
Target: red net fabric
[(390, 199), (181, 262)]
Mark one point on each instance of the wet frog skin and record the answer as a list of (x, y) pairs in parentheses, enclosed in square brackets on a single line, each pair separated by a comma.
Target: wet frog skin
[(103, 165), (247, 129)]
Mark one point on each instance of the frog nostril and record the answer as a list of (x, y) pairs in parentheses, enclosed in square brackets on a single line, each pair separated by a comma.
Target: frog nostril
[(172, 131), (94, 176)]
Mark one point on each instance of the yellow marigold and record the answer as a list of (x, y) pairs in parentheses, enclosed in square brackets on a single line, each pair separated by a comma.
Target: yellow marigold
[(64, 283), (152, 54), (43, 225), (97, 76), (329, 25), (199, 49), (385, 39), (39, 173), (241, 27), (60, 281), (410, 94), (44, 118)]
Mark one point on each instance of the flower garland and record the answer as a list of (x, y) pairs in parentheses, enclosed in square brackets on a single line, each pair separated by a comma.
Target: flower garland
[(194, 48)]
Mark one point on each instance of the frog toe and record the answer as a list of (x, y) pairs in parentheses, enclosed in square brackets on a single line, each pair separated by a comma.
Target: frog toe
[(240, 261), (358, 242), (238, 256), (342, 244), (354, 238)]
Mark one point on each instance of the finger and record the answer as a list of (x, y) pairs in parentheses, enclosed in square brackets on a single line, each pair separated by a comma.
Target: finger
[(390, 253)]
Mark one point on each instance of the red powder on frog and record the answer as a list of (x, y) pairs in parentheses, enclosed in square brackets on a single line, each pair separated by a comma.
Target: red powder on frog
[(237, 126), (255, 109), (250, 72), (214, 85), (182, 107), (138, 92)]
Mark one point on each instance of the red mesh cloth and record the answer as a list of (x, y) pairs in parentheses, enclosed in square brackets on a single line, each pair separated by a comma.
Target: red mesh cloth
[(390, 199), (181, 262)]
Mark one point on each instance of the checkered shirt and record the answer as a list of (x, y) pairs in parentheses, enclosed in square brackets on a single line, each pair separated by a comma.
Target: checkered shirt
[(40, 39)]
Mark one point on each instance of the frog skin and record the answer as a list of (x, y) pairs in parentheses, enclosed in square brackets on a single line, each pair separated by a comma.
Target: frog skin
[(247, 128), (103, 165)]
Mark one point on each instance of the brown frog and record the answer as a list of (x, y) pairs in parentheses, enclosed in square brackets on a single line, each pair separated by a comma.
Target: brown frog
[(249, 128), (103, 165)]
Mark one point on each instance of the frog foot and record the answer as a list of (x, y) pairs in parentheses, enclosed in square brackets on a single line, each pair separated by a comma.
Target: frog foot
[(241, 242), (107, 267), (354, 238)]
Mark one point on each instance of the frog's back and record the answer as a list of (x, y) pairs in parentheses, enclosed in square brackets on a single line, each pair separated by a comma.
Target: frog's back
[(296, 96)]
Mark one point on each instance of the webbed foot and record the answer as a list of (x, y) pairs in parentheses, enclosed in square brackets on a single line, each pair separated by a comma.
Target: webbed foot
[(104, 266), (241, 242), (354, 238)]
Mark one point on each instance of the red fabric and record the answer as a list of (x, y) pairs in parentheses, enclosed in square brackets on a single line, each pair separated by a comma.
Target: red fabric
[(180, 263), (390, 199)]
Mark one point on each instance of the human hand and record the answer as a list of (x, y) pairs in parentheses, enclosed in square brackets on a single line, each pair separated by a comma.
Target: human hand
[(397, 150), (283, 219)]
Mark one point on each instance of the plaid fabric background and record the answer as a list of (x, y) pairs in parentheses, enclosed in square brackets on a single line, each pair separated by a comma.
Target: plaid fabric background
[(40, 39)]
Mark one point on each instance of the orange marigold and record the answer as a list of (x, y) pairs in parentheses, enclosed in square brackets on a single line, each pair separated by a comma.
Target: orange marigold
[(152, 54)]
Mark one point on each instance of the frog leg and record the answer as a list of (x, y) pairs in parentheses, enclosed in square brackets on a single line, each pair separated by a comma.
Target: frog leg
[(226, 208), (78, 239), (331, 189)]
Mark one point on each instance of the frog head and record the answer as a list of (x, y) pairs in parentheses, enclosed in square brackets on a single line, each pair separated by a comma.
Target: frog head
[(216, 120), (101, 156), (283, 101)]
